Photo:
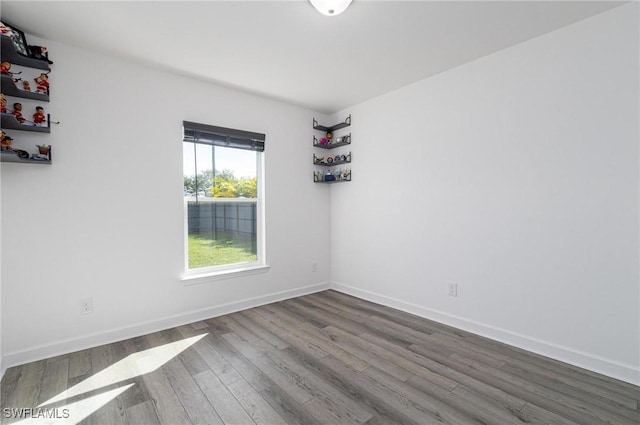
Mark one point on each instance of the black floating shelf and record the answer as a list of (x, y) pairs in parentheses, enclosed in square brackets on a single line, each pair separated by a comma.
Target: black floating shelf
[(11, 156), (331, 164), (346, 140), (9, 122), (9, 88), (324, 162), (347, 179), (332, 128), (11, 55)]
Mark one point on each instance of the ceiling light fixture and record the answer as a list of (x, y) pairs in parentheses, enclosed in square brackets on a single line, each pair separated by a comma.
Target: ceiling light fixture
[(330, 7)]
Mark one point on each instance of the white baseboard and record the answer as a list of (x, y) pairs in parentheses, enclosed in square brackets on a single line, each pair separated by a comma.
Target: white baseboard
[(588, 361), (100, 338)]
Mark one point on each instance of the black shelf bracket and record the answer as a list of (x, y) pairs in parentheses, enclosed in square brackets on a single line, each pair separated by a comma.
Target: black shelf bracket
[(331, 129)]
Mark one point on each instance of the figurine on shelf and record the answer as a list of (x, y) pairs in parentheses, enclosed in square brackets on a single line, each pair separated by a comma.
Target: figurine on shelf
[(5, 30), (329, 135), (5, 143), (26, 86), (5, 68), (43, 83), (3, 103), (324, 141), (39, 52), (43, 149), (17, 112), (39, 118)]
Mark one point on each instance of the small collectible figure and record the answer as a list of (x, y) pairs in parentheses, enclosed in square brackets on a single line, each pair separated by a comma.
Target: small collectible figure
[(5, 30), (17, 112), (5, 68), (6, 143), (43, 83), (26, 86), (39, 52), (39, 118), (3, 103)]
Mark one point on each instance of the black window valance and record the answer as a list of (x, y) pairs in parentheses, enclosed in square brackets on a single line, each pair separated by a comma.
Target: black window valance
[(221, 136)]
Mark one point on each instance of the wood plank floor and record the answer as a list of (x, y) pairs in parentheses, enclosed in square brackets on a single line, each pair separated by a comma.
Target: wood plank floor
[(325, 358)]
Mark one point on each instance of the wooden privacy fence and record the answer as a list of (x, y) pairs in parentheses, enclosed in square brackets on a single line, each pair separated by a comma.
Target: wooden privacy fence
[(216, 214)]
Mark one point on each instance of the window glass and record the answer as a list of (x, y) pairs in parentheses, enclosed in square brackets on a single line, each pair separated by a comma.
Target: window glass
[(221, 193)]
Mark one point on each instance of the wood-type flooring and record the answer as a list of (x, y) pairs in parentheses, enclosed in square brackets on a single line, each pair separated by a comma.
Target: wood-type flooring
[(325, 358)]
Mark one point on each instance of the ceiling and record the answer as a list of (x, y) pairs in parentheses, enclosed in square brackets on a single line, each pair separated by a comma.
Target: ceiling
[(286, 50)]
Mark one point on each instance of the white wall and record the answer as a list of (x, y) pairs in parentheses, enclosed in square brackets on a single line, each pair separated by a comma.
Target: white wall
[(106, 219), (2, 364), (515, 176)]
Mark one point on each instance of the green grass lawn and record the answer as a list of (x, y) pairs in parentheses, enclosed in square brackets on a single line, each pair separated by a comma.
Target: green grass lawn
[(227, 248)]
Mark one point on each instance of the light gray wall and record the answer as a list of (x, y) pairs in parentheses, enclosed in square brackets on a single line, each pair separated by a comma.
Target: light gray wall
[(106, 219), (515, 176)]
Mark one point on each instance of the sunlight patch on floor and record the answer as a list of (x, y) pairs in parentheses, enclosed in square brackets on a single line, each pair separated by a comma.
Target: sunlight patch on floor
[(134, 365), (72, 413)]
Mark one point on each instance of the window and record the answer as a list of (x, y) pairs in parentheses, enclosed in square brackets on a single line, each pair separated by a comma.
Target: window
[(222, 198)]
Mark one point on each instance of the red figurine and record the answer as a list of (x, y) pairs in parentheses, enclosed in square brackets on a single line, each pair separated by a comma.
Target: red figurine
[(43, 83), (26, 86), (39, 118), (17, 112)]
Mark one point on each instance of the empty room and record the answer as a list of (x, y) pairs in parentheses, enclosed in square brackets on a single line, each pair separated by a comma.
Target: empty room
[(320, 212)]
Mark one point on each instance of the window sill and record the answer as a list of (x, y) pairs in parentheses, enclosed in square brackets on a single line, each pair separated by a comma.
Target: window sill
[(197, 279)]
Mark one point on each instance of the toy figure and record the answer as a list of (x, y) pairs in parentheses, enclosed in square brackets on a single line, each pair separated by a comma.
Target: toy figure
[(43, 84), (3, 103), (26, 86), (5, 30), (6, 143), (17, 112), (39, 52), (5, 68), (39, 118)]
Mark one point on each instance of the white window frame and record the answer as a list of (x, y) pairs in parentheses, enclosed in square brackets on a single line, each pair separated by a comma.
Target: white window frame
[(227, 271)]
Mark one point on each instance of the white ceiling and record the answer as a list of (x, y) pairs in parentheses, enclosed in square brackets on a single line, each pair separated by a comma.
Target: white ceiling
[(288, 51)]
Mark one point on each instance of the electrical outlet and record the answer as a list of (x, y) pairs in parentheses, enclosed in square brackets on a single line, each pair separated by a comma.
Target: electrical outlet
[(452, 289), (86, 305), (314, 267)]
